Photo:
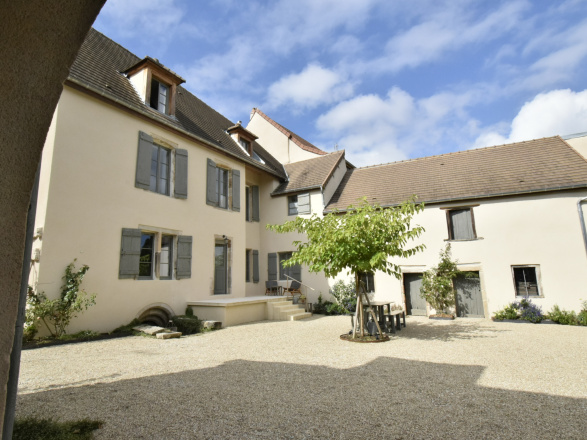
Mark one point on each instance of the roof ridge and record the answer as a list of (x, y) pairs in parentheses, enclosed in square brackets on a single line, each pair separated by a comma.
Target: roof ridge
[(316, 158), (454, 153), (297, 139)]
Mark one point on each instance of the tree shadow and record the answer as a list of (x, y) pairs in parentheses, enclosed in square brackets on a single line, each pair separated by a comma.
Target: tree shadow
[(387, 398), (448, 330)]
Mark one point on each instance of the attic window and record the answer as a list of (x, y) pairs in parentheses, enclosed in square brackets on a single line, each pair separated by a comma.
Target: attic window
[(159, 96), (246, 145)]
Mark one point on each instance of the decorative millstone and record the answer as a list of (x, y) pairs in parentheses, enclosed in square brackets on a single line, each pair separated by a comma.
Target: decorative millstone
[(168, 335), (149, 329), (214, 325)]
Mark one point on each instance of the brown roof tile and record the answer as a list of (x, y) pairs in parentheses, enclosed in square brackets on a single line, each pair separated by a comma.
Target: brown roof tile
[(309, 173), (98, 68), (524, 167), (298, 140)]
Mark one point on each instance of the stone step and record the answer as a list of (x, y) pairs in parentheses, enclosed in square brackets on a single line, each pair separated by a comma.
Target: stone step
[(300, 315), (285, 312)]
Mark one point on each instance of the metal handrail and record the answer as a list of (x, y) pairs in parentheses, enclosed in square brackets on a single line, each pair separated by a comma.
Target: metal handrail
[(305, 285)]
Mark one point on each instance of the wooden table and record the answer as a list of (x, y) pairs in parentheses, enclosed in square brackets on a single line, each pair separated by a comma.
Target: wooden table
[(379, 310)]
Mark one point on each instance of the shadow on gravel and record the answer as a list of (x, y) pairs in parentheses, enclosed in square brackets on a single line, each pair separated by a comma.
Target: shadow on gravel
[(448, 330), (385, 399)]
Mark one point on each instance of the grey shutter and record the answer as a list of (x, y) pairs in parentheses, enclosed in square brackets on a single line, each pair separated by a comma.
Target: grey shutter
[(130, 252), (180, 187), (236, 190), (462, 225), (295, 272), (143, 176), (304, 204), (184, 257), (272, 267), (255, 203), (255, 266), (212, 184)]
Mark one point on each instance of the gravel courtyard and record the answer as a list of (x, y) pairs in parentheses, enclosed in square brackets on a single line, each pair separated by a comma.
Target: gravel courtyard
[(465, 379)]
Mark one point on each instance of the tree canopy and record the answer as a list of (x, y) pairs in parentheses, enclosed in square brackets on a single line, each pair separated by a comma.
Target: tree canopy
[(360, 240)]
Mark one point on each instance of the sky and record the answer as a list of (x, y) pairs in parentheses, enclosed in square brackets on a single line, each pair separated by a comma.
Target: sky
[(385, 80)]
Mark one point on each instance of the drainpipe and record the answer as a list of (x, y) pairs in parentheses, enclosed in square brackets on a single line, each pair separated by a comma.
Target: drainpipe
[(582, 220)]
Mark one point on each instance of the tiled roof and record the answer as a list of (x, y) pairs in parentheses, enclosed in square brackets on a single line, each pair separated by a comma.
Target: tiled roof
[(309, 173), (97, 68), (524, 167), (298, 140)]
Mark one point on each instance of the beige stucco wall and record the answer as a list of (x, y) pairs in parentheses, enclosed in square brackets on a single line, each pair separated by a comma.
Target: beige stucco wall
[(579, 144), (277, 143), (539, 230), (92, 196)]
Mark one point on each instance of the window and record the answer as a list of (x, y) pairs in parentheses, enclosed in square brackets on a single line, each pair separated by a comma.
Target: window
[(290, 272), (223, 187), (292, 205), (245, 144), (461, 224), (252, 203), (298, 204), (526, 280), (160, 170), (149, 255), (222, 179), (157, 163), (366, 278), (252, 266), (159, 99)]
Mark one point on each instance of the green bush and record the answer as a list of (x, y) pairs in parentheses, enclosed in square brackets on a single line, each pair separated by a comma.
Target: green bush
[(509, 312), (56, 314), (345, 296), (187, 325), (562, 316), (128, 328)]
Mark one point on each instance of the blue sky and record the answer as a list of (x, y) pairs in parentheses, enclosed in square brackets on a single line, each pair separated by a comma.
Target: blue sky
[(384, 80)]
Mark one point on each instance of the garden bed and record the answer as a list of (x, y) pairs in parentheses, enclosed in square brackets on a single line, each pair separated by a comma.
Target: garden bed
[(49, 342), (363, 339)]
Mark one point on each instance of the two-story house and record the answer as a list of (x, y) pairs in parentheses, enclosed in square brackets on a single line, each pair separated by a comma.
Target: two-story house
[(167, 201)]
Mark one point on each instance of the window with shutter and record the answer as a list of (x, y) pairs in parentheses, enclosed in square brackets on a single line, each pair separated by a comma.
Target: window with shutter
[(294, 272), (130, 251), (184, 257), (236, 190), (461, 225), (304, 204), (157, 164)]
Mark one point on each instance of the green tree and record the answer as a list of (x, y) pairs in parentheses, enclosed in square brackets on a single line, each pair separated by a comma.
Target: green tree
[(363, 239), (437, 283)]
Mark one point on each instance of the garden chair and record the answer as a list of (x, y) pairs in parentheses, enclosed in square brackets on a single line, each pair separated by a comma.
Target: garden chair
[(294, 287), (272, 288)]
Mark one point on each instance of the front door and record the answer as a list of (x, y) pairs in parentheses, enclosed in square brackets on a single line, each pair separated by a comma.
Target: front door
[(220, 268), (468, 296), (415, 304)]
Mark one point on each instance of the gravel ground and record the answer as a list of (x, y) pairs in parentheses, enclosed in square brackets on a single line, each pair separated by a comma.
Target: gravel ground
[(465, 379)]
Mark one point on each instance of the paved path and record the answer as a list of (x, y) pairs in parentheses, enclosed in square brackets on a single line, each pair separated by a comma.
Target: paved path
[(466, 379)]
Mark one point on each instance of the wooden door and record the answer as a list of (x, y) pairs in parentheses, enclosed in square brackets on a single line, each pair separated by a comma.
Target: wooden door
[(468, 296), (415, 304)]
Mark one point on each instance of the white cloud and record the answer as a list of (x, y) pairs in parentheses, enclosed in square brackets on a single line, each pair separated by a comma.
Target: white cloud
[(449, 29), (310, 88), (558, 112), (374, 129)]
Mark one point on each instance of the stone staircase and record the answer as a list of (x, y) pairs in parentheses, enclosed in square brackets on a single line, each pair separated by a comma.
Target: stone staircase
[(285, 310)]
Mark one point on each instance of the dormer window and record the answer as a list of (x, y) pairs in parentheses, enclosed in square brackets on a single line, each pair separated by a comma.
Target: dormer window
[(246, 145), (159, 96), (155, 84)]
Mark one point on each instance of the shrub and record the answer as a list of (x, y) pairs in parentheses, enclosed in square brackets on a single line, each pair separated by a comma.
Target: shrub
[(187, 325), (562, 316), (437, 283), (56, 314), (128, 328), (189, 311), (509, 312), (524, 309), (582, 316), (48, 429), (345, 296)]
